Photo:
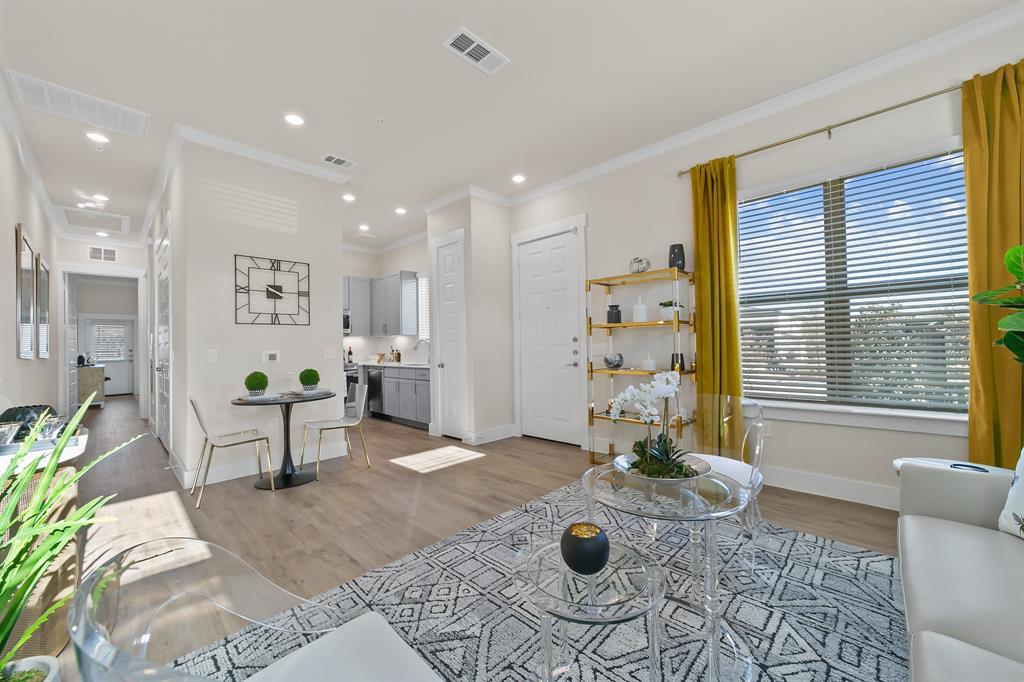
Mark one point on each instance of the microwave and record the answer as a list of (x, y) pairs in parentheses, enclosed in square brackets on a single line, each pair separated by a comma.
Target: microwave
[(346, 323)]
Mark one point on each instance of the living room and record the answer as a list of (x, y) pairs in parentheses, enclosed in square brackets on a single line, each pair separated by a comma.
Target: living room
[(559, 341)]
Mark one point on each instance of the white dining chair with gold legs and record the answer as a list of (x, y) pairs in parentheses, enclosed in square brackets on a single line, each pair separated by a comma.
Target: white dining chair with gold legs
[(227, 440), (345, 423)]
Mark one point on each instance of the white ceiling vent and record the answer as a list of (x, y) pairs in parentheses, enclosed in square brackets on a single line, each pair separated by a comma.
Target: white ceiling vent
[(339, 162), (77, 106), (93, 220), (102, 254), (475, 51)]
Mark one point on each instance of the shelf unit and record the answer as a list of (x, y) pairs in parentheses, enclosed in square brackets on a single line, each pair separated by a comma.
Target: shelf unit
[(678, 328)]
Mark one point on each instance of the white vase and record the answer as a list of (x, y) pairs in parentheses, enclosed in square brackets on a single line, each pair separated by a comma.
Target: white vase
[(48, 664)]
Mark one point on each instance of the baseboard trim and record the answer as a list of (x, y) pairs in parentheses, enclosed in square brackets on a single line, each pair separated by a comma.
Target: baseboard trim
[(224, 469), (873, 494), (491, 435)]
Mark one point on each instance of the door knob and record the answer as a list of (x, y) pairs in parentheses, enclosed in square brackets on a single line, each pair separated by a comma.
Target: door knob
[(572, 364), (441, 365)]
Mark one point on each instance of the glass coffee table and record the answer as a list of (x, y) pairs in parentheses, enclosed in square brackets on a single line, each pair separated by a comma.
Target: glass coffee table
[(628, 587)]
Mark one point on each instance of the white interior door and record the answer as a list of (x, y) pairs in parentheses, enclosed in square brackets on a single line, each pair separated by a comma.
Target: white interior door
[(449, 258), (71, 339), (111, 343), (162, 327), (549, 309)]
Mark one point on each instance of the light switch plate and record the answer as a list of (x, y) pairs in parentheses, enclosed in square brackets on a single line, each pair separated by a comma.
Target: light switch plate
[(271, 356)]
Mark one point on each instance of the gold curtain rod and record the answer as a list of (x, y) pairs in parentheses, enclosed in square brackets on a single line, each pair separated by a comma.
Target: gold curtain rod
[(829, 128)]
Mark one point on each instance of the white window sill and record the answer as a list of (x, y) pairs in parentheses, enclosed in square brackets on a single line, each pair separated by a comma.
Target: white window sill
[(889, 419)]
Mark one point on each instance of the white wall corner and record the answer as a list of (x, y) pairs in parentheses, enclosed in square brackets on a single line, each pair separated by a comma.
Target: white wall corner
[(873, 494), (490, 435)]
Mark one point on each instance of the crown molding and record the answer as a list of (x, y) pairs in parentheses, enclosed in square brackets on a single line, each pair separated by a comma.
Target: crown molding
[(464, 192), (390, 246), (172, 152), (1000, 20)]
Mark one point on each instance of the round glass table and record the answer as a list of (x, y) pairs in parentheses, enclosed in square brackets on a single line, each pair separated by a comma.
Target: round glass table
[(701, 502), (628, 587)]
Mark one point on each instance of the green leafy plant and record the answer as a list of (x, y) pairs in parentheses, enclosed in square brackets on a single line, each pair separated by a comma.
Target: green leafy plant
[(656, 455), (257, 381), (1011, 297), (668, 304), (309, 377), (35, 537)]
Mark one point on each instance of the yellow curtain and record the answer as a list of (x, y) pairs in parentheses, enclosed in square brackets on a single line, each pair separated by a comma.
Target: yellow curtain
[(993, 154), (716, 255)]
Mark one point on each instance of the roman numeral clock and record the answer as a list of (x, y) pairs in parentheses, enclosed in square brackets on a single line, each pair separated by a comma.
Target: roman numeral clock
[(271, 291)]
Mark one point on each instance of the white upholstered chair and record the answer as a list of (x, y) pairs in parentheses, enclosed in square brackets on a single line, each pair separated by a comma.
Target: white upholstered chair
[(344, 423), (227, 440)]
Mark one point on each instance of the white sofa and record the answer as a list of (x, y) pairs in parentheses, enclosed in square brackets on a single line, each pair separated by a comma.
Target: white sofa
[(963, 580)]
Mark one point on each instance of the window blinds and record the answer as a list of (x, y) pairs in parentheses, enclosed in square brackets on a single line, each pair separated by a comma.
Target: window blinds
[(423, 305), (854, 291), (108, 341)]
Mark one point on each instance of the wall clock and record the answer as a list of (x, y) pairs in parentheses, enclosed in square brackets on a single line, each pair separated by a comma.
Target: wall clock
[(271, 291)]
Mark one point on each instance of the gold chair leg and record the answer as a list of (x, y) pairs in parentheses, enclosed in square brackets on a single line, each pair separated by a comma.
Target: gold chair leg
[(348, 442), (302, 453), (270, 464), (202, 456), (259, 462), (206, 474), (362, 439), (319, 442)]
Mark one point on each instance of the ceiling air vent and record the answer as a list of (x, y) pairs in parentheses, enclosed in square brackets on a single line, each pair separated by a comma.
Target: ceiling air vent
[(339, 162), (101, 254), (475, 51), (77, 106)]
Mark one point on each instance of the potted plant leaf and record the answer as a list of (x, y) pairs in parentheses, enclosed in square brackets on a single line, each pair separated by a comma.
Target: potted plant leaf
[(256, 383), (310, 379), (1012, 298), (657, 455), (36, 534)]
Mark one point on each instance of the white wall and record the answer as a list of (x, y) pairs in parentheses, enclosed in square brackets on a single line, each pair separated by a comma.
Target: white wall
[(74, 256), (24, 382), (108, 296), (642, 208)]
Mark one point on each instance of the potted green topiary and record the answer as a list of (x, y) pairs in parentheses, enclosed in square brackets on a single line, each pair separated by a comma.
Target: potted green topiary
[(256, 383), (310, 379)]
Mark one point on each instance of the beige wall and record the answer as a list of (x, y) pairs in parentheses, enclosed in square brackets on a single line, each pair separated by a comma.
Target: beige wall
[(75, 252), (24, 382), (121, 298)]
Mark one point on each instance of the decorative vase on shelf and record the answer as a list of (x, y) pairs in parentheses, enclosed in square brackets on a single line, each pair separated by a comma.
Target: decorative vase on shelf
[(668, 310), (614, 314), (676, 257), (638, 265), (585, 548), (640, 311), (613, 360)]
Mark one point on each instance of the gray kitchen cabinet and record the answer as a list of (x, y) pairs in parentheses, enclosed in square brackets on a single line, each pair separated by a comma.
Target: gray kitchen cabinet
[(422, 401), (392, 393), (377, 303), (357, 302), (393, 303), (407, 399)]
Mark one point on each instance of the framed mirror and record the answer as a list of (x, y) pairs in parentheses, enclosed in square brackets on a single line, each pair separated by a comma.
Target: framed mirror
[(42, 308), (24, 295)]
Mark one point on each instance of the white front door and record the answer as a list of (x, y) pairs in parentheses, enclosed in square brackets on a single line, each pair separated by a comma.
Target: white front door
[(111, 343), (449, 258), (549, 310), (162, 356)]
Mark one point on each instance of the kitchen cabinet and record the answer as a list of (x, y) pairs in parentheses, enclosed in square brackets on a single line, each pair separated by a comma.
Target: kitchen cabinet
[(357, 302), (407, 399), (392, 400), (407, 394), (393, 304), (422, 389)]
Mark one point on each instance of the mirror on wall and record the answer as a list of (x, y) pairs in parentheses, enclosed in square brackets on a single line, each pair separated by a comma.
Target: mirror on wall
[(42, 308), (25, 295)]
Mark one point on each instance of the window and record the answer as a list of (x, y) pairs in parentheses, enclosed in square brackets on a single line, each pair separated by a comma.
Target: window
[(108, 340), (423, 304), (854, 291)]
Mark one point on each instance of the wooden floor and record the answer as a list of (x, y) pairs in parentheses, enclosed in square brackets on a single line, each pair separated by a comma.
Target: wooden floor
[(315, 537)]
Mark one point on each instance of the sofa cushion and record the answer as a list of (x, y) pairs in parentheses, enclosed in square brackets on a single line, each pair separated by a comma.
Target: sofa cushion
[(1011, 519), (28, 415), (963, 581), (365, 649), (938, 658)]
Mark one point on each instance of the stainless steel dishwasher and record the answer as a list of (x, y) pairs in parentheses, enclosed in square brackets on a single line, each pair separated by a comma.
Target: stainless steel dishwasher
[(375, 389)]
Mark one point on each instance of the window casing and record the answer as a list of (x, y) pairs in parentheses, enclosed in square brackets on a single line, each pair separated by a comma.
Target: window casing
[(854, 291)]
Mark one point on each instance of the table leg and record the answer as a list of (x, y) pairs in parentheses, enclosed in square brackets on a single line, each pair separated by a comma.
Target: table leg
[(547, 663), (288, 476), (654, 627), (712, 625)]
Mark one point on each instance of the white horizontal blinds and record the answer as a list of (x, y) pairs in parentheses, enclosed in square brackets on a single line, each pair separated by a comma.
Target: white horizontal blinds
[(854, 291), (423, 303), (108, 341)]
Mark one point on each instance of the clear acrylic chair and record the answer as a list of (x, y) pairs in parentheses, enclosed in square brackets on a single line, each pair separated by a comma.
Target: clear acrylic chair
[(161, 611), (344, 423), (227, 440)]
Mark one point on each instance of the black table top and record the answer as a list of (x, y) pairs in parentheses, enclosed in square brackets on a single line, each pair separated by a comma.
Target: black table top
[(285, 399)]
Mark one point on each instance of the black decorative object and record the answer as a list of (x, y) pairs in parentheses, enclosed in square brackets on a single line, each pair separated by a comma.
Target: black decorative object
[(81, 360), (585, 548), (271, 291), (680, 360), (614, 314), (676, 257)]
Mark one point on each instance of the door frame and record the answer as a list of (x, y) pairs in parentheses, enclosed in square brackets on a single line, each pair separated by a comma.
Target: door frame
[(436, 243), (83, 325), (576, 225)]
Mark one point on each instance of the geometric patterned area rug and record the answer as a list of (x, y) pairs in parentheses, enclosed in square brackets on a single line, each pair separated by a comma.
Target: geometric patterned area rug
[(819, 609)]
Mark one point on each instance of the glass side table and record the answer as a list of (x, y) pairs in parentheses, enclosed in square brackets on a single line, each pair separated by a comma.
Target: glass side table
[(628, 587), (698, 501)]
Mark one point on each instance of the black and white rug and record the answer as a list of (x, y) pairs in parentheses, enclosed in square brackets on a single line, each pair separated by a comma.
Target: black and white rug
[(821, 609)]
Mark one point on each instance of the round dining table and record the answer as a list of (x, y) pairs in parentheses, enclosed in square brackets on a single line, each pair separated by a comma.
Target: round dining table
[(288, 476)]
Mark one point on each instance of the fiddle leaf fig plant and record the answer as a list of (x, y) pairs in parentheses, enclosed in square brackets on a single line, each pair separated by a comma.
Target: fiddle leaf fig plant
[(1012, 298)]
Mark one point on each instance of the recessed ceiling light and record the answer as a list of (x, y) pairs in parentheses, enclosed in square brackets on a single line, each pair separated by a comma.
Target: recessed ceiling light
[(101, 198), (98, 138), (294, 119), (517, 178), (364, 228), (80, 204), (349, 197), (400, 211), (102, 234)]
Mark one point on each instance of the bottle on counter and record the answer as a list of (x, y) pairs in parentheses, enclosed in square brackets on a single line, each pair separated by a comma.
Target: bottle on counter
[(350, 354), (397, 355)]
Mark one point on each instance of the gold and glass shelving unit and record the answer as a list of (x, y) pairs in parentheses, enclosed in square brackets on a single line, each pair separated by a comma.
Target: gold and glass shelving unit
[(680, 331)]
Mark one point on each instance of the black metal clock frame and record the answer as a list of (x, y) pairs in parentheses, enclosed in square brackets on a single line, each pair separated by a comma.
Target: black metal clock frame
[(272, 291)]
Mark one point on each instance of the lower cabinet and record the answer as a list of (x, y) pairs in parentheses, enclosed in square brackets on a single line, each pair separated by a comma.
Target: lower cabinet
[(422, 401), (406, 395), (407, 399), (392, 389)]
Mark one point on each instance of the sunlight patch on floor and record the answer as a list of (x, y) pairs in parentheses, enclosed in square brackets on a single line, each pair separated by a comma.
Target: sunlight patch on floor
[(439, 458)]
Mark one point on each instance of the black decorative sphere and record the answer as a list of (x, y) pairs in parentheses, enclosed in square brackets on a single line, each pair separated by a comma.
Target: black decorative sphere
[(585, 548)]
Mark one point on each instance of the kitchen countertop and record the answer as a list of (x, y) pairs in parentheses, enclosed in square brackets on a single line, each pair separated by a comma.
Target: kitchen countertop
[(411, 365)]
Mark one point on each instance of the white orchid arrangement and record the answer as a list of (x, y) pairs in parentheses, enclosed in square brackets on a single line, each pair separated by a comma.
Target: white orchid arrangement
[(657, 456)]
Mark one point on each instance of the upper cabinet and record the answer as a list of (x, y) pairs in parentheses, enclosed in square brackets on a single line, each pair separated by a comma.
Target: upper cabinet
[(393, 309), (357, 302)]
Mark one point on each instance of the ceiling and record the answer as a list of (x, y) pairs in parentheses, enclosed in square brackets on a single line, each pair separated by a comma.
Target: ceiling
[(375, 83)]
